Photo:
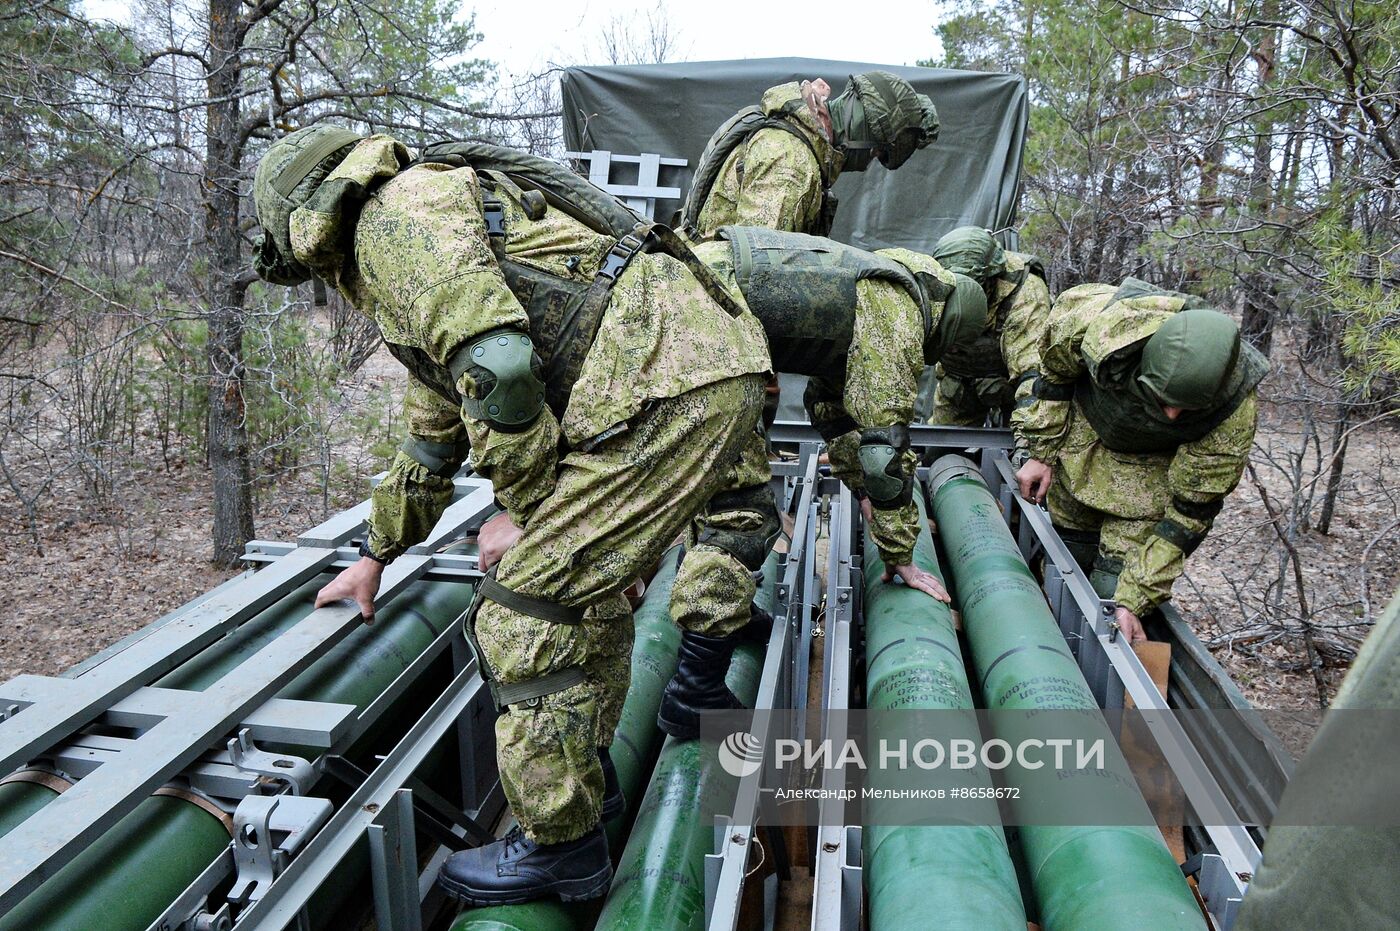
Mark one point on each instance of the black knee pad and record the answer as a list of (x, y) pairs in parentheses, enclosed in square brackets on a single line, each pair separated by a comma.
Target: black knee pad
[(1083, 545), (749, 547)]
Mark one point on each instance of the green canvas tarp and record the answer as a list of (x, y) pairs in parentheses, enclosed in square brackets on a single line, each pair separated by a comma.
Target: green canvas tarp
[(969, 176)]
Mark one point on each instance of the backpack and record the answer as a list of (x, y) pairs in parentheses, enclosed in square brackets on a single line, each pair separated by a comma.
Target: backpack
[(564, 313), (731, 134), (561, 188), (803, 290)]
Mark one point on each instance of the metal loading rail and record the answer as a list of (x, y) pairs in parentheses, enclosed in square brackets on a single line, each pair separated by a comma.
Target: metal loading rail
[(1226, 852), (99, 740), (117, 731)]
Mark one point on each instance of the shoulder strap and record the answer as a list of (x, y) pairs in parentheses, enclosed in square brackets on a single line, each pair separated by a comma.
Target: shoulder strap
[(733, 133), (561, 188)]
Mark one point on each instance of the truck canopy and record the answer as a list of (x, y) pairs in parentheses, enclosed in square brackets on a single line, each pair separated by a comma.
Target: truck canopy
[(969, 176)]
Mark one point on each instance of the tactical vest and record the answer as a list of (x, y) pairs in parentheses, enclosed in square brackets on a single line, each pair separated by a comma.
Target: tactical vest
[(733, 133), (982, 358), (564, 313), (803, 290), (1125, 424)]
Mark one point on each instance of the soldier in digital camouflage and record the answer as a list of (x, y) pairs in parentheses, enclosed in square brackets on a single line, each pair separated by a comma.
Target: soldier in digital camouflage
[(768, 166), (993, 372), (603, 431), (863, 326), (1141, 423), (773, 165)]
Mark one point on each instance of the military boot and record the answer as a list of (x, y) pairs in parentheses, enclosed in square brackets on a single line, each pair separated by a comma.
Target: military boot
[(614, 803), (515, 869), (698, 684), (759, 626)]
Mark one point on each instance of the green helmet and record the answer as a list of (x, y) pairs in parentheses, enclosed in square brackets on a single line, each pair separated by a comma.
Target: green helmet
[(286, 178), (971, 251), (881, 114), (1188, 361), (963, 320)]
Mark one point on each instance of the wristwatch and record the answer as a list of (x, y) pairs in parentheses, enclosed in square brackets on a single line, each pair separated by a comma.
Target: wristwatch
[(366, 551)]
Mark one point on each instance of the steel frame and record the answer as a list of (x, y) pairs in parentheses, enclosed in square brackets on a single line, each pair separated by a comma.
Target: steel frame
[(121, 773), (920, 435), (726, 868), (1111, 667), (374, 810), (838, 880), (176, 727)]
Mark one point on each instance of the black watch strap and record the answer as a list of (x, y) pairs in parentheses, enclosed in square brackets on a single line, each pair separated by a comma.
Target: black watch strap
[(366, 551)]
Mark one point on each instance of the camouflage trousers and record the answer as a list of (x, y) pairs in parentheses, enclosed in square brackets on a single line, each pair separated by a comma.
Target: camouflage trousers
[(613, 512), (1098, 540), (727, 544)]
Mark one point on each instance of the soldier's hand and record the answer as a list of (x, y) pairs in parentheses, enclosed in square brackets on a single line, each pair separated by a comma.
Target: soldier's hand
[(1034, 480), (359, 583), (867, 509), (1129, 625), (495, 537), (915, 577)]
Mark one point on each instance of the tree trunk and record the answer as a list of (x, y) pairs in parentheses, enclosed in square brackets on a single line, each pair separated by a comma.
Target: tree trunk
[(1260, 304), (1257, 321), (1334, 474), (228, 434)]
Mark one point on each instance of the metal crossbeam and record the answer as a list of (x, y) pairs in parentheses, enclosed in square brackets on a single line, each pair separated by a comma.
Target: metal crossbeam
[(284, 720), (213, 774), (920, 435), (643, 195), (446, 567), (44, 843)]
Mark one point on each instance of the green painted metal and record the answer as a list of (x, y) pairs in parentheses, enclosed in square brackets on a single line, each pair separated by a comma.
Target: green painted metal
[(130, 875), (134, 871), (533, 916), (634, 748), (1083, 877), (637, 740), (960, 872), (19, 800), (660, 878), (210, 664)]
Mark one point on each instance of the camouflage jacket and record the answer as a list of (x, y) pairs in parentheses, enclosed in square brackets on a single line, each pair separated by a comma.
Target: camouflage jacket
[(772, 179), (1020, 323), (1009, 351), (880, 386), (1184, 487), (420, 264)]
